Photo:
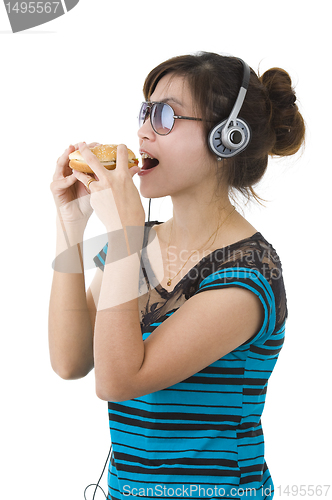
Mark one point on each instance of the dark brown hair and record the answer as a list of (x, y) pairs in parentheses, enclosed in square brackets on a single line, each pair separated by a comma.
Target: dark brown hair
[(277, 127)]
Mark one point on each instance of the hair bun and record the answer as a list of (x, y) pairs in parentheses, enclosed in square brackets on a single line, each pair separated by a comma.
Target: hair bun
[(286, 120)]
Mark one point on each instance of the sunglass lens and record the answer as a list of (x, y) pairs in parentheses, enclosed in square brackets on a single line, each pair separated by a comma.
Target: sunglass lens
[(142, 113), (162, 118)]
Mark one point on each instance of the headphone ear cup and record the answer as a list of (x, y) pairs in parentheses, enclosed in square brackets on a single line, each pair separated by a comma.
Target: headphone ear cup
[(226, 143)]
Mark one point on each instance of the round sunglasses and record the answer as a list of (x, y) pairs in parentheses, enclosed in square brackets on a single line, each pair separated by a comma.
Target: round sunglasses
[(161, 115)]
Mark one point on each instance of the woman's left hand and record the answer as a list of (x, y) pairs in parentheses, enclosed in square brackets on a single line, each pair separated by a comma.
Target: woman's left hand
[(114, 196)]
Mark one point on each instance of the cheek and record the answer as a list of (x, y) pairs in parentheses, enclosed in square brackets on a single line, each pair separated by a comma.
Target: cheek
[(191, 146), (197, 154), (191, 167)]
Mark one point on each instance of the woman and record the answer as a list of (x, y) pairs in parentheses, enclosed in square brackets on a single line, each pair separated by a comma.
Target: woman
[(184, 372)]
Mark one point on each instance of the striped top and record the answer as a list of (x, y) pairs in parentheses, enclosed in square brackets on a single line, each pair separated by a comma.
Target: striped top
[(202, 437)]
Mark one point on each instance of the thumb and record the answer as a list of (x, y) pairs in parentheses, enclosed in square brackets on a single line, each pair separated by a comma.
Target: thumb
[(134, 170), (70, 179)]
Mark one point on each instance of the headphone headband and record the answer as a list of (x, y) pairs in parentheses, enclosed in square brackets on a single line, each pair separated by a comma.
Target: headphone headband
[(246, 74), (241, 95)]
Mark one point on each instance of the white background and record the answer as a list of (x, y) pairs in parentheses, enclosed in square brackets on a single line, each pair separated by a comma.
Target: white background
[(80, 77)]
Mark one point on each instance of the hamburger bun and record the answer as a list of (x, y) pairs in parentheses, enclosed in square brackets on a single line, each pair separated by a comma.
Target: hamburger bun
[(106, 154)]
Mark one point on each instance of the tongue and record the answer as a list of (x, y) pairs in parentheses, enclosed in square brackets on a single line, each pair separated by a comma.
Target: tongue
[(150, 163)]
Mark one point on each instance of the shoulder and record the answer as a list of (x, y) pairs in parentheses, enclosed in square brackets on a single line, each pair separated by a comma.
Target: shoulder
[(252, 253), (252, 264)]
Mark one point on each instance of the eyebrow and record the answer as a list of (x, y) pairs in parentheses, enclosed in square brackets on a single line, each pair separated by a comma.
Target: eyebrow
[(167, 99)]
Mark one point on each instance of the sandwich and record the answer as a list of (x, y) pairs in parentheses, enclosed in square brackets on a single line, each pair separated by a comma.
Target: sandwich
[(106, 154)]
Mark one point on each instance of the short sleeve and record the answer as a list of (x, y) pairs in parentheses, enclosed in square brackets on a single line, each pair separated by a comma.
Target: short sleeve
[(250, 279), (100, 258)]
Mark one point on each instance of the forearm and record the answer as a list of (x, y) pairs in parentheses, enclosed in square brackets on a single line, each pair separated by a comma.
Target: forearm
[(70, 328), (118, 344)]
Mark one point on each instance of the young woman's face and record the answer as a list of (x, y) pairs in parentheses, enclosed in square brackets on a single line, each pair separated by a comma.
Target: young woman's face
[(184, 159)]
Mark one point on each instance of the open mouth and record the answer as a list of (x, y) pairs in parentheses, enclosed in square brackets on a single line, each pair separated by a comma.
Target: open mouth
[(148, 162)]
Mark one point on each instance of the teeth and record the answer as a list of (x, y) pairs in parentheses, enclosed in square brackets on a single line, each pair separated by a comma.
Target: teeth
[(145, 155)]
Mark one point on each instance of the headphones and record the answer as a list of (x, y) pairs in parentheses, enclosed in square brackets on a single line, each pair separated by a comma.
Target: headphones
[(231, 136)]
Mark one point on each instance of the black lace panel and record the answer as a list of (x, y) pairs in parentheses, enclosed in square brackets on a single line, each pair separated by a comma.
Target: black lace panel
[(253, 253)]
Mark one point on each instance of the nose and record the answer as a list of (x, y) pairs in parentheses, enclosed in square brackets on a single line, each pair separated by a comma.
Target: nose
[(146, 131)]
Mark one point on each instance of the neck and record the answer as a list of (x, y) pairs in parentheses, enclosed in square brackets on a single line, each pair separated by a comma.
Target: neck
[(195, 220)]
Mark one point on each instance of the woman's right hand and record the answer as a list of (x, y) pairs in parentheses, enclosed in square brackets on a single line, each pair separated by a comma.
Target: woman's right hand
[(71, 197)]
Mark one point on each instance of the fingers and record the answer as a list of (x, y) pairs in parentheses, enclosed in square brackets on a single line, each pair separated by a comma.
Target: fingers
[(63, 162), (91, 145), (134, 170), (60, 184), (103, 176), (87, 180), (91, 160), (62, 169), (122, 161), (122, 157)]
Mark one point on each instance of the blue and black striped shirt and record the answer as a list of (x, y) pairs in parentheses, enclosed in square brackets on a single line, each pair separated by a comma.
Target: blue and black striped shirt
[(203, 437)]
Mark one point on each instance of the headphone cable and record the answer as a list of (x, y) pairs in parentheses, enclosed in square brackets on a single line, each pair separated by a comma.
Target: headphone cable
[(149, 209), (97, 485)]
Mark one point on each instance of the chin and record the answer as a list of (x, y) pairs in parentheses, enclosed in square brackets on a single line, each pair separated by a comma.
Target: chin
[(153, 194), (152, 191)]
